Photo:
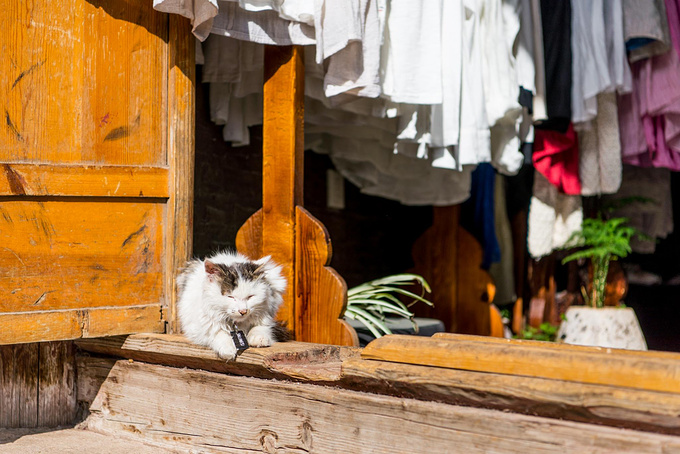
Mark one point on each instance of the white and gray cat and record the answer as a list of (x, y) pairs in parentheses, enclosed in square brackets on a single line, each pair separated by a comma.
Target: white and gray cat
[(227, 296)]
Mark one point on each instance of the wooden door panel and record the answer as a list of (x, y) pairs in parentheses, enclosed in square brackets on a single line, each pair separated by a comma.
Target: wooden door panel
[(96, 166), (65, 255), (85, 85)]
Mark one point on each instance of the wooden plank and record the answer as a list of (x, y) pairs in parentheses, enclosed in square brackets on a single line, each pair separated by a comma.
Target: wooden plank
[(77, 254), (436, 259), (91, 373), (71, 96), (290, 360), (181, 118), (671, 356), (599, 404), (24, 327), (217, 412), (19, 385), (83, 180), (476, 289), (282, 167), (584, 366), (321, 293), (57, 404)]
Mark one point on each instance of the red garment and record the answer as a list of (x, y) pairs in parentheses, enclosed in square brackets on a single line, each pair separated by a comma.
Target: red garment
[(556, 157)]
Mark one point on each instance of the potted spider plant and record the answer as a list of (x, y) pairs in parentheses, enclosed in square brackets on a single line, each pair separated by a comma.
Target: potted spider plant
[(375, 303), (601, 241)]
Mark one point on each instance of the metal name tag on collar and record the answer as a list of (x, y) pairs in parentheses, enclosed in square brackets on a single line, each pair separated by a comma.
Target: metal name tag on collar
[(239, 337)]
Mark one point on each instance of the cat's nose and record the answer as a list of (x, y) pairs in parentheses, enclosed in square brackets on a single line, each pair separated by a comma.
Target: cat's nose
[(243, 311)]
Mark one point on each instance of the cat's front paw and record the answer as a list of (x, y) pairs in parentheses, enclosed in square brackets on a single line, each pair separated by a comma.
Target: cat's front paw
[(226, 352), (223, 346), (260, 336)]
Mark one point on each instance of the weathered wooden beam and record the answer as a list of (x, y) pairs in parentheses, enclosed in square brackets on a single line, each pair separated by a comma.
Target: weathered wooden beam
[(180, 157), (598, 404), (188, 409), (284, 360), (315, 300), (584, 365)]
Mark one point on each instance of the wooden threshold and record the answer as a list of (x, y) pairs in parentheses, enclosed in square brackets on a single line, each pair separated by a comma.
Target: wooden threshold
[(366, 370)]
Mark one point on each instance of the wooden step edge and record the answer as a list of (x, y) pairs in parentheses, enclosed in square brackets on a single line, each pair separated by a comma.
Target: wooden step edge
[(648, 411), (298, 361), (606, 368), (557, 346)]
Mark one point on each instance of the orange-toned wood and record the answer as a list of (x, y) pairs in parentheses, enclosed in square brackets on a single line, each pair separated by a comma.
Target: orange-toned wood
[(57, 254), (72, 324), (476, 289), (555, 345), (518, 315), (436, 259), (85, 84), (321, 294), (19, 385), (83, 180), (282, 167), (542, 287), (495, 322), (316, 295), (584, 365), (249, 236), (181, 131)]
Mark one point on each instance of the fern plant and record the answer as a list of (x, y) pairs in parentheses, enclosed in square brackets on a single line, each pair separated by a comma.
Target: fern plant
[(602, 240), (370, 302)]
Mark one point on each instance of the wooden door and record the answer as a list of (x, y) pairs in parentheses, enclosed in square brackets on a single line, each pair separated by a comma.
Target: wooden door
[(96, 167)]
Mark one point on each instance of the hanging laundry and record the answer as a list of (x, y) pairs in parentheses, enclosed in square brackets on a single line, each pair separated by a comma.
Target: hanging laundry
[(553, 217), (645, 29), (556, 158), (556, 22), (477, 214), (650, 115)]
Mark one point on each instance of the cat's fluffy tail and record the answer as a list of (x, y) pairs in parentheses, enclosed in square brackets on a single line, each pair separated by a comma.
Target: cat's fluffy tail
[(281, 331)]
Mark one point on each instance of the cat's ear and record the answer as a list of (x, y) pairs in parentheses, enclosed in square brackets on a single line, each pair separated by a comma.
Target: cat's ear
[(272, 273), (211, 269), (263, 265)]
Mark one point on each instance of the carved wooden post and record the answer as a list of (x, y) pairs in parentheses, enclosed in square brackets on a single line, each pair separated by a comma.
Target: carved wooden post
[(317, 296)]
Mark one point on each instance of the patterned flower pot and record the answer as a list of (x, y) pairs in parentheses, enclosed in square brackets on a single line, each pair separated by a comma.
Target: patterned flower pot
[(604, 327)]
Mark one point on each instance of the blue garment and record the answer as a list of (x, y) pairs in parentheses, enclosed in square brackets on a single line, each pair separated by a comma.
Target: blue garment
[(477, 213)]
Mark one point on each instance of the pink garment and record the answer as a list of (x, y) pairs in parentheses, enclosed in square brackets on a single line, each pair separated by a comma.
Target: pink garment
[(649, 117)]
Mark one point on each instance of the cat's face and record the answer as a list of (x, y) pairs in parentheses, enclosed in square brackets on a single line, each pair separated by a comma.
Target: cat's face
[(237, 291)]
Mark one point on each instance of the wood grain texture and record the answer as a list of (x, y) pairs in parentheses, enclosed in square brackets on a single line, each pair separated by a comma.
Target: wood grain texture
[(78, 254), (596, 404), (181, 131), (91, 373), (435, 258), (476, 289), (57, 384), (249, 237), (284, 360), (321, 293), (606, 367), (71, 95), (282, 167), (19, 385), (85, 181), (308, 418), (25, 327)]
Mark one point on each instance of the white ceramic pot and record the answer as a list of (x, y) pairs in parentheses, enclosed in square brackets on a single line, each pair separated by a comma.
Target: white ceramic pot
[(602, 327)]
